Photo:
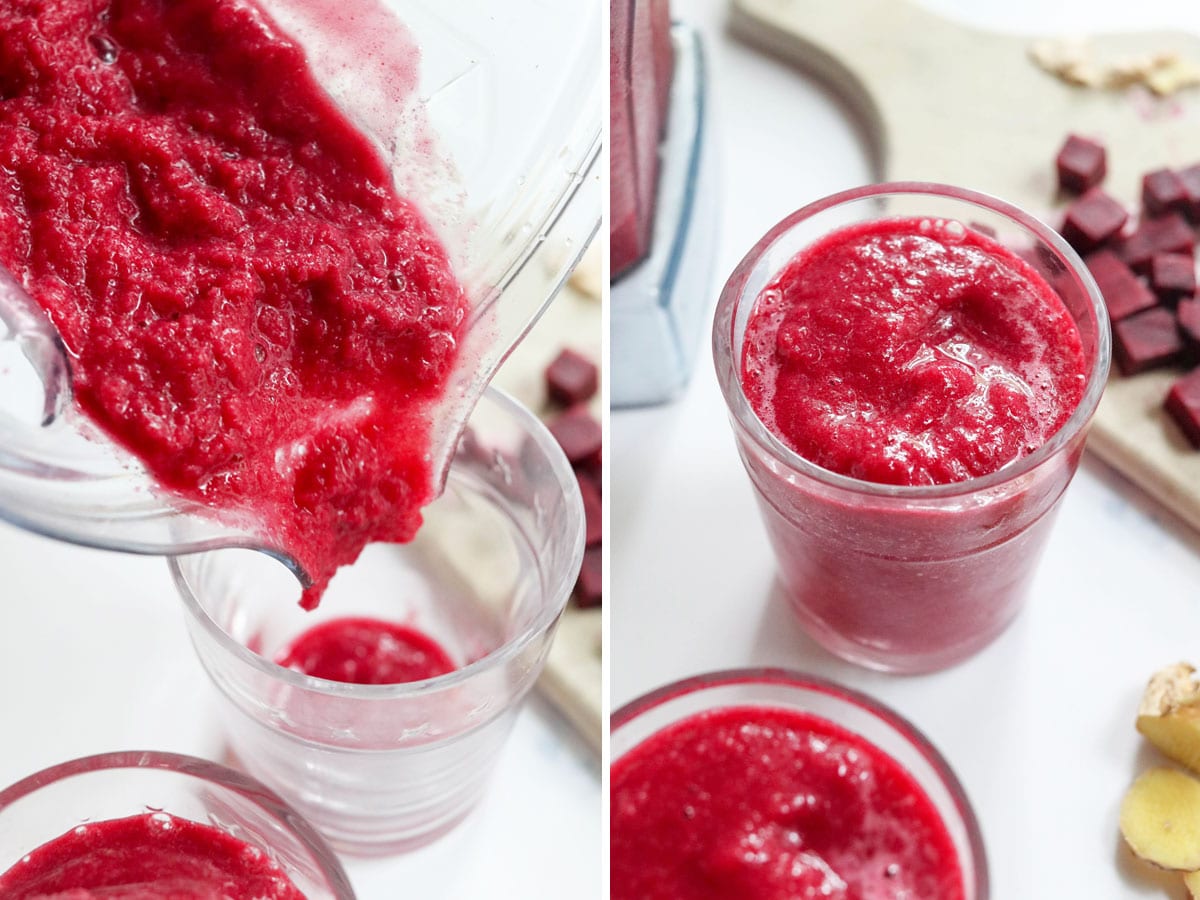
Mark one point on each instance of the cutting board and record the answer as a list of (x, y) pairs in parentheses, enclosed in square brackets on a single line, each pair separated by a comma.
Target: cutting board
[(943, 102), (572, 679)]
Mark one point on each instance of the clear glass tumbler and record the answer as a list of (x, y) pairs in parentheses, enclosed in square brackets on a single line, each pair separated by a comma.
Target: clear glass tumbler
[(858, 713), (386, 768), (903, 578), (47, 805)]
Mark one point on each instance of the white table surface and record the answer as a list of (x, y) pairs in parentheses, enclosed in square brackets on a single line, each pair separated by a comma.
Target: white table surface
[(1039, 726), (94, 657)]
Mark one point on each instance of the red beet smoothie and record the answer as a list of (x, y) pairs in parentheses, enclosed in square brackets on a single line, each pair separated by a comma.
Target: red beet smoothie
[(147, 857), (247, 304), (366, 651), (910, 353), (768, 803)]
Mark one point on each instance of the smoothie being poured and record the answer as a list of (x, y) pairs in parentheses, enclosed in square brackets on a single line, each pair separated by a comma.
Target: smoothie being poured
[(246, 303)]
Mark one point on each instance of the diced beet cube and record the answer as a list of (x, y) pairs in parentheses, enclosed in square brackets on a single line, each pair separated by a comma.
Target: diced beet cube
[(1187, 317), (1168, 234), (1146, 341), (1092, 220), (1183, 405), (471, 449), (1163, 192), (592, 469), (589, 587), (1173, 276), (578, 433), (571, 378), (592, 509), (1124, 293), (1190, 178), (1081, 164)]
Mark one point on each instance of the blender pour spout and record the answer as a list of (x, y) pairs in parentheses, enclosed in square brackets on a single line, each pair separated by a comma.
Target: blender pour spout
[(59, 478)]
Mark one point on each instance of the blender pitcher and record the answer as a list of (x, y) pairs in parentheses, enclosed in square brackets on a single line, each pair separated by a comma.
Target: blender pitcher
[(495, 134)]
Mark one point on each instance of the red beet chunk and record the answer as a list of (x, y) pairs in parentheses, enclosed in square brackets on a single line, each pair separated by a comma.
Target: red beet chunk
[(1081, 164), (1163, 192), (1168, 234), (1092, 220), (593, 510), (571, 378), (1173, 276), (1124, 293), (592, 470), (1187, 317), (1190, 178), (1183, 405), (1146, 341), (579, 435), (589, 587), (471, 449)]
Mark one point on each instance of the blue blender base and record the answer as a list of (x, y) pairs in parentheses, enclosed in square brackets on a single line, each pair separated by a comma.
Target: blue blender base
[(660, 308)]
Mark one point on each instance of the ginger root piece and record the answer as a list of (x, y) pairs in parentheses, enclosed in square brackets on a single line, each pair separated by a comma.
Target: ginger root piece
[(1169, 715), (1192, 882), (1160, 819)]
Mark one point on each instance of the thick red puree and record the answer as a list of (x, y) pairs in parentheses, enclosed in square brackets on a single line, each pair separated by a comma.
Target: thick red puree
[(366, 651), (911, 351), (772, 804), (247, 304), (147, 857)]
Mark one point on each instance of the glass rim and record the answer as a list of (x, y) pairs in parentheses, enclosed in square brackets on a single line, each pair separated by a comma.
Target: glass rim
[(203, 770), (777, 676), (729, 368), (533, 428)]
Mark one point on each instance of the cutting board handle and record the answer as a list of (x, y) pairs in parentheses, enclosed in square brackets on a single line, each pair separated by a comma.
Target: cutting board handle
[(840, 44)]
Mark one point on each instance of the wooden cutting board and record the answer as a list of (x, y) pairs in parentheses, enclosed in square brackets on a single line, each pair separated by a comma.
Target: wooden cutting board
[(944, 102), (572, 679)]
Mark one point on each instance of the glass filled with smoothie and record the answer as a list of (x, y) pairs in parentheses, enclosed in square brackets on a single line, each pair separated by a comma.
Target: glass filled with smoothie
[(768, 783), (380, 714), (140, 825), (910, 370)]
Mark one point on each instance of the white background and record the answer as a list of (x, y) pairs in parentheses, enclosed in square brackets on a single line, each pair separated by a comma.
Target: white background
[(1040, 725)]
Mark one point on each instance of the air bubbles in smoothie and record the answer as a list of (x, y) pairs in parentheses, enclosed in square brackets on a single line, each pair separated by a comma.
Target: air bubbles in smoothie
[(105, 49)]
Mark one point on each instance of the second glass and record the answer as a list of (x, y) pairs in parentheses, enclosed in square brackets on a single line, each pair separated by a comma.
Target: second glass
[(49, 804), (904, 578)]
